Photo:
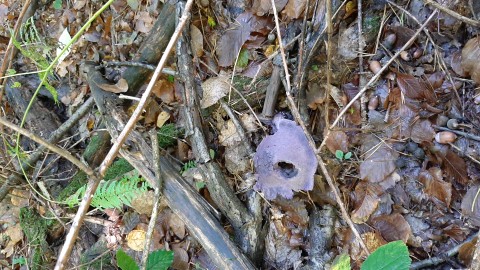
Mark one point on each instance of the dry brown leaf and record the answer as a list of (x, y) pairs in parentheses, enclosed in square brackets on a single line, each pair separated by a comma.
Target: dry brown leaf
[(466, 251), (164, 90), (455, 167), (196, 41), (373, 240), (229, 135), (435, 186), (337, 140), (403, 34), (295, 8), (20, 197), (213, 90), (180, 259), (120, 87), (456, 64), (415, 88), (162, 118), (393, 227), (262, 7), (177, 226), (422, 130), (144, 22), (15, 234), (234, 38), (366, 201), (152, 110), (470, 57), (378, 164)]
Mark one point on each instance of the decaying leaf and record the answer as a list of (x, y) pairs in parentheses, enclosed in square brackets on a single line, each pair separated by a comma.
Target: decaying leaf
[(295, 8), (120, 87), (367, 198), (421, 131), (337, 140), (235, 37), (180, 258), (162, 118), (15, 234), (136, 239), (164, 90), (262, 7), (196, 41), (214, 89), (393, 227), (455, 167), (471, 205), (470, 56), (435, 186), (415, 88), (379, 161), (177, 226)]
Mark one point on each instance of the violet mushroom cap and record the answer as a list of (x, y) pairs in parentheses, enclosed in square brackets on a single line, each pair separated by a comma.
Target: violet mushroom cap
[(284, 162)]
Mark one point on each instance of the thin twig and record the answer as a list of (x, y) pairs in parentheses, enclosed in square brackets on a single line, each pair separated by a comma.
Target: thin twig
[(439, 259), (376, 77), (158, 193), (452, 13), (60, 151), (15, 178), (92, 185), (297, 117)]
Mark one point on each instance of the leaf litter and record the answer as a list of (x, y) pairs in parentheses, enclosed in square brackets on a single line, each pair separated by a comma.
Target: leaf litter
[(399, 184)]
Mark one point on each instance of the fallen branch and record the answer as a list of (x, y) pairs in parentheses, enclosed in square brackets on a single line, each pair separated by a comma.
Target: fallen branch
[(452, 13), (93, 183)]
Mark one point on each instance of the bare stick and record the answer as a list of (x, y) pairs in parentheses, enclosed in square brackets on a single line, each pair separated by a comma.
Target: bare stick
[(297, 117), (452, 13), (60, 151), (92, 185), (158, 192), (375, 78)]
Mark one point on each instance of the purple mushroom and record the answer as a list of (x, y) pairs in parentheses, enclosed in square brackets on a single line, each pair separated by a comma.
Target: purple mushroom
[(284, 161)]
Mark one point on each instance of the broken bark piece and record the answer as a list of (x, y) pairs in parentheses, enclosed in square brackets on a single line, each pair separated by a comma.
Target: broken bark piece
[(284, 161)]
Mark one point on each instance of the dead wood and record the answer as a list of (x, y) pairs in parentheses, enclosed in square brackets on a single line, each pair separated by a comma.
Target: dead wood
[(181, 197), (152, 48)]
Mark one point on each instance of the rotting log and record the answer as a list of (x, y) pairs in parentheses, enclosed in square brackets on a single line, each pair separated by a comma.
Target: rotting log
[(180, 196), (152, 48)]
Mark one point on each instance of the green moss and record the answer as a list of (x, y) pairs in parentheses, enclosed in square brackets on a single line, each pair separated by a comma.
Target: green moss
[(167, 135), (35, 229), (118, 168), (78, 181)]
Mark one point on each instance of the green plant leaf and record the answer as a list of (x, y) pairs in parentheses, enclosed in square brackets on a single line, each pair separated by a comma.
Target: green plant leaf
[(20, 261), (339, 154), (242, 58), (171, 78), (11, 72), (159, 260), (16, 85), (348, 155), (315, 67), (392, 256), (125, 262), (341, 262), (211, 22), (57, 4)]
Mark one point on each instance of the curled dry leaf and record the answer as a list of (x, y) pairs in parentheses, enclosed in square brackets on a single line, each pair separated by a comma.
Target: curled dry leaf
[(164, 90), (180, 258), (367, 198), (470, 56), (213, 90), (393, 227), (435, 186), (120, 87), (378, 163)]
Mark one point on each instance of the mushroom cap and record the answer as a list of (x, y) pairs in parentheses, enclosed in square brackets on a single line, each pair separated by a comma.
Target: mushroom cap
[(284, 162)]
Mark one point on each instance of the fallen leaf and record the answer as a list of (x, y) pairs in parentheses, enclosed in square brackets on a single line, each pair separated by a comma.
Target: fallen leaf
[(136, 239), (162, 118), (177, 226), (379, 161), (15, 234), (337, 140), (180, 259), (214, 89), (164, 90), (470, 56), (262, 7), (455, 167), (471, 205), (393, 227), (415, 88), (120, 87), (367, 198), (196, 41), (435, 186), (295, 8), (422, 130)]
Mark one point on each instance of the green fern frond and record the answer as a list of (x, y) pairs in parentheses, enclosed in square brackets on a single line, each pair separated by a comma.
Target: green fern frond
[(112, 193)]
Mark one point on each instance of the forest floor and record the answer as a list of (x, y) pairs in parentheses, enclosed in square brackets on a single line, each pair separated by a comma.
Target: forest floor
[(237, 135)]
